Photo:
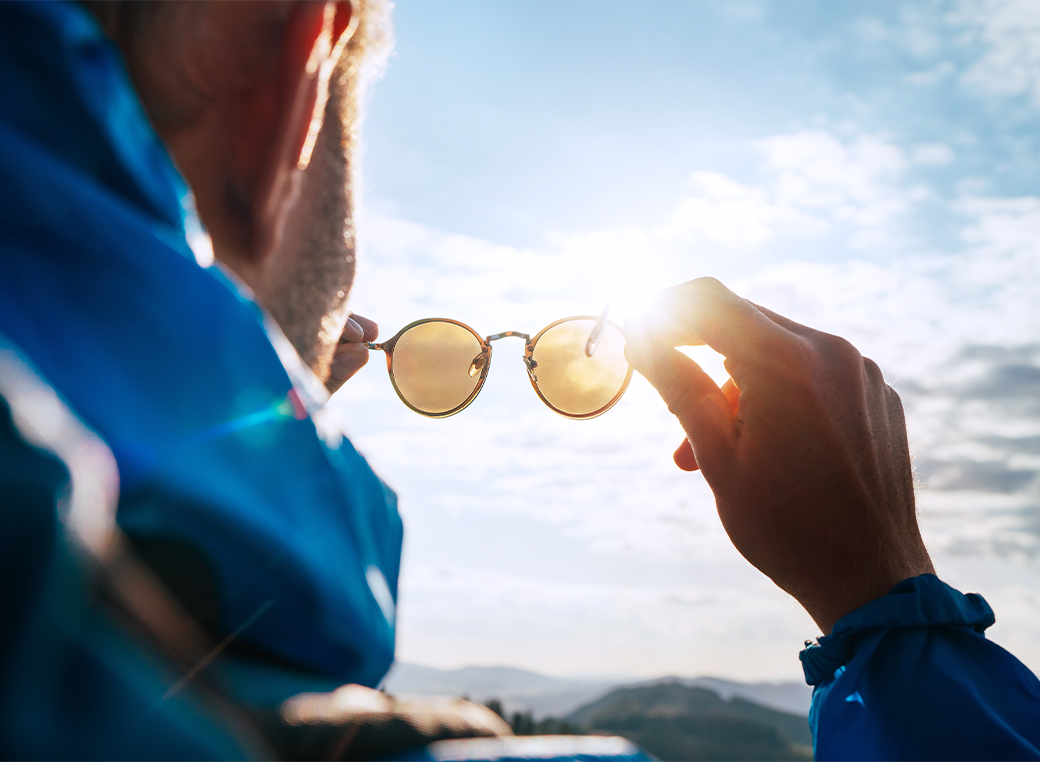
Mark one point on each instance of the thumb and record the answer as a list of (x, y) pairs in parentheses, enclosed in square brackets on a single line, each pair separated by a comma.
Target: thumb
[(691, 396)]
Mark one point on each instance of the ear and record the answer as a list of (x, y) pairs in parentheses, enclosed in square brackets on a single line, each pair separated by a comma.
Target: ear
[(280, 118)]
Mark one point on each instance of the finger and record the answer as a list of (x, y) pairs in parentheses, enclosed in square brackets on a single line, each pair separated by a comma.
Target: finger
[(352, 332), (370, 327), (348, 360), (684, 457), (785, 322), (705, 311), (691, 395)]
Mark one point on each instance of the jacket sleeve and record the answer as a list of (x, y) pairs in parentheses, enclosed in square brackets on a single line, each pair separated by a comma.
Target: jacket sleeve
[(912, 676)]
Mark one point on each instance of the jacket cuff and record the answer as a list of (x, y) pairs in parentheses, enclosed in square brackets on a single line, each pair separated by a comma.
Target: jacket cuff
[(923, 601)]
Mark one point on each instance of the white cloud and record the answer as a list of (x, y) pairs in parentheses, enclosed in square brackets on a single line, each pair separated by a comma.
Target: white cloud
[(932, 154), (1007, 34), (1003, 226), (606, 489), (991, 47), (931, 76), (914, 31), (581, 628), (857, 181), (913, 315), (812, 187), (813, 183), (734, 214)]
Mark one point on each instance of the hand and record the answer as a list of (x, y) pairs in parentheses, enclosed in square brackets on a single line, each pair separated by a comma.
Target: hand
[(805, 448), (351, 355)]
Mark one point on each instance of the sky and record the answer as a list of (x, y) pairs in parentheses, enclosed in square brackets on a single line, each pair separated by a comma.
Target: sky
[(867, 168)]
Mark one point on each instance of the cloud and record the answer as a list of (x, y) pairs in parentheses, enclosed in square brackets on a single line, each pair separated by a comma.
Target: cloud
[(1005, 378), (991, 48), (1029, 445), (932, 154), (1006, 34), (913, 31), (1016, 386), (565, 545), (733, 214), (973, 476), (932, 76), (1008, 227), (813, 183), (569, 628), (975, 424), (813, 190), (955, 331)]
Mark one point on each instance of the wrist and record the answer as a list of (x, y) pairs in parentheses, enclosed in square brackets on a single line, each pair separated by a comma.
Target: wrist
[(845, 593)]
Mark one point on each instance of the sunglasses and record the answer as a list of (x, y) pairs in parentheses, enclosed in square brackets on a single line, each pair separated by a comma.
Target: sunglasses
[(576, 365)]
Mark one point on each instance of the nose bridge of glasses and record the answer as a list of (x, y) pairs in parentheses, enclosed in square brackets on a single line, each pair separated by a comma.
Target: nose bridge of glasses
[(508, 334), (528, 360)]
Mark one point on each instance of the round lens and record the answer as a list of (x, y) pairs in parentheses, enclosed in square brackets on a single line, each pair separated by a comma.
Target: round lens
[(573, 383), (437, 366)]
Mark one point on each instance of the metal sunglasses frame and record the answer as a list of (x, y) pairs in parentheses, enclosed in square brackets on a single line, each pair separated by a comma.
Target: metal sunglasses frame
[(485, 351)]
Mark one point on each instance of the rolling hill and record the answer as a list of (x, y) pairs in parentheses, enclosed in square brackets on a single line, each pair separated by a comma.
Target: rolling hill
[(674, 721)]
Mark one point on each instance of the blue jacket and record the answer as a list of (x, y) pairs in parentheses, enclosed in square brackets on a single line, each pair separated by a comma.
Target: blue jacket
[(75, 681), (172, 366), (912, 676)]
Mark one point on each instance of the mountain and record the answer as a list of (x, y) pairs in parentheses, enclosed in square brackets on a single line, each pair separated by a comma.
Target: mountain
[(519, 690), (674, 721), (791, 697), (544, 696)]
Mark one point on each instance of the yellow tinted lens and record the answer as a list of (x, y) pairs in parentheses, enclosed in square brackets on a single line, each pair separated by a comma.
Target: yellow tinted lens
[(570, 381), (437, 365)]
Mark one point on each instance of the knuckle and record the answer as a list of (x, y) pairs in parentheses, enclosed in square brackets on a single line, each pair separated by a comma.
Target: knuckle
[(838, 348), (873, 372), (697, 292), (708, 283), (835, 357)]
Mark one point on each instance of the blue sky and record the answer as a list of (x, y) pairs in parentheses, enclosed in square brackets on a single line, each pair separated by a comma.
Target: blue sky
[(867, 168), (507, 119)]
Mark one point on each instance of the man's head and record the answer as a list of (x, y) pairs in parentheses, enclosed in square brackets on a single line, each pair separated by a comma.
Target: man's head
[(258, 103)]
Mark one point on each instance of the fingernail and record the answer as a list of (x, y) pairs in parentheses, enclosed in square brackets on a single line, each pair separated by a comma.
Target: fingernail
[(353, 325)]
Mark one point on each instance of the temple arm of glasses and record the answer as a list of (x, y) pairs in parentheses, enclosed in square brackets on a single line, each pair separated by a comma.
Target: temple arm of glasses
[(597, 331), (373, 345)]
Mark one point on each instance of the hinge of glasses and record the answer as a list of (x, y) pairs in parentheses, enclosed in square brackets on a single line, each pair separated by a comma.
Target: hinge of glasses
[(531, 364)]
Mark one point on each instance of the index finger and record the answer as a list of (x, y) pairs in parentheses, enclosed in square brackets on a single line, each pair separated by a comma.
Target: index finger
[(703, 311)]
